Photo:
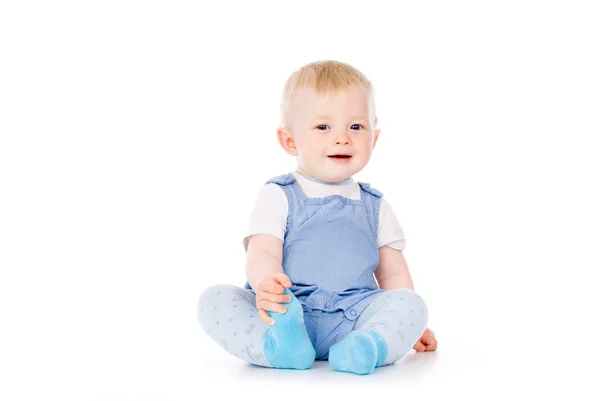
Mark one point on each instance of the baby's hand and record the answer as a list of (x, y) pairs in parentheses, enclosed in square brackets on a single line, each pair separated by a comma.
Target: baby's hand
[(427, 342), (269, 295)]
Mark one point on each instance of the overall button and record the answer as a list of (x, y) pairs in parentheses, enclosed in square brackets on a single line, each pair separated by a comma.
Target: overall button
[(351, 314)]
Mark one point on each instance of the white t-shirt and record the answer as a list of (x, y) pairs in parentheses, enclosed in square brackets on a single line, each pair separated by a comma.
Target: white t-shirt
[(270, 212)]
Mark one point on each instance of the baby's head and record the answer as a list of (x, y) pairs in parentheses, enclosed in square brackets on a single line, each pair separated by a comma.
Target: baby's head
[(328, 109)]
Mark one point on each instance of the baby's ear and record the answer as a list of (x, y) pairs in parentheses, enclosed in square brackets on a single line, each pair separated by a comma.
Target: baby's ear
[(375, 136), (285, 140)]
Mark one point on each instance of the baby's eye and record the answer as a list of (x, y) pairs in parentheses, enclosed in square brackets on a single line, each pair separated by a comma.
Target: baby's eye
[(356, 125), (319, 127)]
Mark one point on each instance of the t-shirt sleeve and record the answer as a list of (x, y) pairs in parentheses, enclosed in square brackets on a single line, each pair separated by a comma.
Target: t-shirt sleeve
[(269, 214), (390, 233)]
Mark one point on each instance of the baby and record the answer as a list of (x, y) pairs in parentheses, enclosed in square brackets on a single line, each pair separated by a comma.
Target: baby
[(326, 276)]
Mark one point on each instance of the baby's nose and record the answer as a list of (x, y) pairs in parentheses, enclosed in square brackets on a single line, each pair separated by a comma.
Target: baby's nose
[(342, 139)]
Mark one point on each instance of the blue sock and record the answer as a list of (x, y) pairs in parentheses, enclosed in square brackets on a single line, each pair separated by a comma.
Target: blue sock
[(359, 352), (287, 344)]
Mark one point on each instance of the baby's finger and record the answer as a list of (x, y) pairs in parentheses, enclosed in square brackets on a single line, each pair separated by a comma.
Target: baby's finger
[(431, 343), (271, 286), (283, 279), (263, 315), (278, 298), (271, 306), (419, 347), (431, 347)]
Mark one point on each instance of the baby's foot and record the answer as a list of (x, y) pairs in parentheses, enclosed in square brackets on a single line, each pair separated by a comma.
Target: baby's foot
[(287, 344), (359, 352)]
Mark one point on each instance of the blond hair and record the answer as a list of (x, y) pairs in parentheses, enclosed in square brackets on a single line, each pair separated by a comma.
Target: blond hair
[(326, 76)]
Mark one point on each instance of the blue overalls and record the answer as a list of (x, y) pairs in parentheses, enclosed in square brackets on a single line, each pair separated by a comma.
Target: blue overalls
[(330, 253)]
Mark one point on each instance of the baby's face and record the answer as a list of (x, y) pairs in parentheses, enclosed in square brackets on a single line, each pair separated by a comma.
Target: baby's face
[(333, 124)]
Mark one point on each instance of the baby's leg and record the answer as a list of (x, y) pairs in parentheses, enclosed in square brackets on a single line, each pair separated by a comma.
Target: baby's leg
[(229, 316), (385, 332)]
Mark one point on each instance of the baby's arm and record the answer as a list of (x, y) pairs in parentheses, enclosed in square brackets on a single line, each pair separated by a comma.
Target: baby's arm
[(265, 274), (263, 258), (392, 272)]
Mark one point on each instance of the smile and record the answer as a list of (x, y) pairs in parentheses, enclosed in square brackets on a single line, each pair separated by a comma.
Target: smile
[(341, 158)]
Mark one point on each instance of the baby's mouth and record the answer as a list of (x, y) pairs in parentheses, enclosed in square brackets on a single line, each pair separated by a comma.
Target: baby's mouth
[(341, 159)]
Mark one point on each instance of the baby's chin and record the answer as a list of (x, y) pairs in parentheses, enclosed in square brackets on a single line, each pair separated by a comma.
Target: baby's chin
[(331, 173), (336, 176)]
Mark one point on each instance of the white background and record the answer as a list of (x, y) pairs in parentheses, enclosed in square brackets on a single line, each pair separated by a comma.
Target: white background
[(135, 135)]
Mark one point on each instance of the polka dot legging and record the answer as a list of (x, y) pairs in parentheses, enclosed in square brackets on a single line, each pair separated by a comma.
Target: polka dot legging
[(229, 316)]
